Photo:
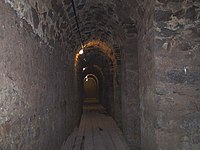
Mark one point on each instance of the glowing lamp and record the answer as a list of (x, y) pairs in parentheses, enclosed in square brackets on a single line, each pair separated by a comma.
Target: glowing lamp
[(81, 52)]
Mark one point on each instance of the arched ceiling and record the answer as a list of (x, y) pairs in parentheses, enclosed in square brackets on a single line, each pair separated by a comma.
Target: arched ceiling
[(111, 21), (92, 60), (108, 21)]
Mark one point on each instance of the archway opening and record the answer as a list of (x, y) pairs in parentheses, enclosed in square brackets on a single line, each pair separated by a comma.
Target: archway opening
[(96, 70), (91, 88), (91, 93), (98, 63)]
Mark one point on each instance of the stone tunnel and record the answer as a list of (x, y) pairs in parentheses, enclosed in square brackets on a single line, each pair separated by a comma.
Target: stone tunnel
[(139, 58)]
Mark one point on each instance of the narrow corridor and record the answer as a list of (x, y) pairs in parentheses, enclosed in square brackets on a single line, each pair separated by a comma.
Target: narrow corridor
[(100, 74)]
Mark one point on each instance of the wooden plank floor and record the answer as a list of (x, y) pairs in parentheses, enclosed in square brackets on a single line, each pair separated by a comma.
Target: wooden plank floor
[(97, 131)]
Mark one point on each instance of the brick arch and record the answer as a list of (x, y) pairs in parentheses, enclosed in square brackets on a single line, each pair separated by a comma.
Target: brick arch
[(102, 46)]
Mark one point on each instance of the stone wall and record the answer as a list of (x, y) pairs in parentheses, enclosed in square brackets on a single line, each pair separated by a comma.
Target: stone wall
[(50, 20), (168, 46), (146, 76), (177, 74), (130, 94), (37, 110)]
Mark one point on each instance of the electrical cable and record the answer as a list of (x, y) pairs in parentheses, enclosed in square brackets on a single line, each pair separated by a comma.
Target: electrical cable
[(77, 24)]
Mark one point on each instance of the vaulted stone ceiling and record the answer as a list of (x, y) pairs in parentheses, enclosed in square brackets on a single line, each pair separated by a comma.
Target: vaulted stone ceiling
[(54, 20), (108, 21)]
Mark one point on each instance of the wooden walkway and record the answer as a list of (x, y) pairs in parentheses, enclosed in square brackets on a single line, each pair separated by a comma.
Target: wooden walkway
[(97, 131)]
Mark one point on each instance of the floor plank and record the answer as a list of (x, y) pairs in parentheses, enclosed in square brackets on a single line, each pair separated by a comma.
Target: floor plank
[(97, 131), (79, 141)]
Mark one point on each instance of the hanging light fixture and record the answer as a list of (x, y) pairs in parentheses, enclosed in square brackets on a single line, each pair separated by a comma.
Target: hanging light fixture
[(81, 52), (86, 78), (78, 27)]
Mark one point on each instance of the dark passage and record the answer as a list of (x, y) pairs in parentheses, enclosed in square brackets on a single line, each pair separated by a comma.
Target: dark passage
[(127, 71)]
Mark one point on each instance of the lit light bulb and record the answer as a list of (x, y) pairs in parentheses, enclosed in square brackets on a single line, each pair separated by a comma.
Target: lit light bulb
[(81, 52), (84, 69)]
